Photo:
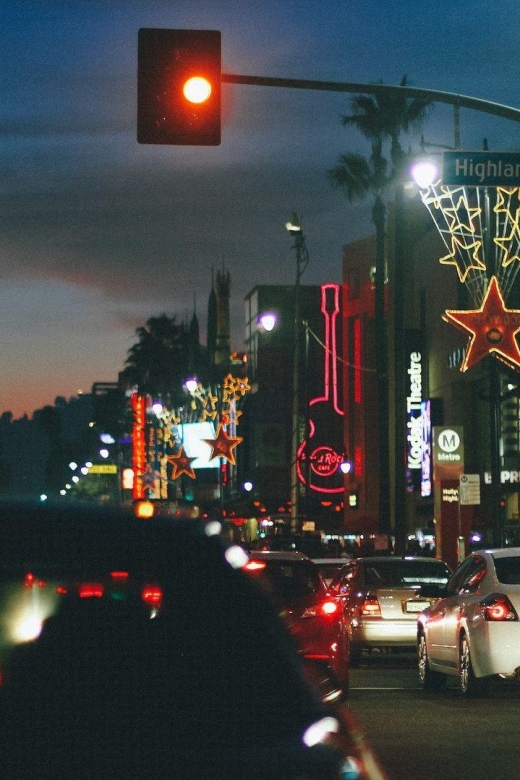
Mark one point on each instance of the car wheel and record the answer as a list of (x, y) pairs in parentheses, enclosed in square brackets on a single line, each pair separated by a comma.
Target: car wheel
[(468, 683), (430, 680)]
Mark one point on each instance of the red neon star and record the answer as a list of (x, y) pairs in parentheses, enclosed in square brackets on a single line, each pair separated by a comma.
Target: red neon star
[(223, 445), (493, 329), (181, 464)]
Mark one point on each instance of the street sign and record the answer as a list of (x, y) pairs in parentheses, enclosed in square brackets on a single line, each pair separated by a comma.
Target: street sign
[(103, 468), (481, 169), (469, 489)]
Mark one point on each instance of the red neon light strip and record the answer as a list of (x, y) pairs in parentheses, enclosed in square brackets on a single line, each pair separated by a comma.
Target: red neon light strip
[(357, 361), (330, 377), (139, 444), (358, 461)]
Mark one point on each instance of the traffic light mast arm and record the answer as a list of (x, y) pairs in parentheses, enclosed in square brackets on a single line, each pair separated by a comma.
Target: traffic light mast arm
[(464, 101)]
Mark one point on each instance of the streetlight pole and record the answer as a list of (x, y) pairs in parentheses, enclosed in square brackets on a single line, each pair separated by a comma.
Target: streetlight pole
[(494, 395), (400, 528), (381, 355), (302, 260)]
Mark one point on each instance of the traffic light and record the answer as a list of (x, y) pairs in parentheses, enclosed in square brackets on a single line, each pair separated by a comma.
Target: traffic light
[(178, 87)]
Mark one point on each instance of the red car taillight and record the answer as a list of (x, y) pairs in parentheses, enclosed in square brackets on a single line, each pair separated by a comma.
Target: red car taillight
[(91, 590), (152, 594), (30, 580), (496, 608), (325, 609), (253, 566), (370, 607), (119, 576)]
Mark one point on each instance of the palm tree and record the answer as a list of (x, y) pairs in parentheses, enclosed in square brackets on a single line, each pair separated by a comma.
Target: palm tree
[(380, 117), (158, 362)]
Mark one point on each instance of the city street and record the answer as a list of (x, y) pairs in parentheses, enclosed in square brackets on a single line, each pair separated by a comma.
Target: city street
[(441, 736)]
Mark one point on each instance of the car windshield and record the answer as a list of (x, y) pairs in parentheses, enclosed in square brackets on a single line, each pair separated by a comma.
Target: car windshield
[(508, 570), (401, 574), (288, 580)]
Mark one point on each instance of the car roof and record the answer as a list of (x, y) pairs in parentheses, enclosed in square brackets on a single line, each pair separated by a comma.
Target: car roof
[(395, 559), (342, 561), (279, 555), (73, 536), (499, 552)]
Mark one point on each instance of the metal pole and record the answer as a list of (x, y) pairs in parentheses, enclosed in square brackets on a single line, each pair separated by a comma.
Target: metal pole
[(433, 95), (400, 527), (295, 497), (295, 229), (494, 397), (381, 354)]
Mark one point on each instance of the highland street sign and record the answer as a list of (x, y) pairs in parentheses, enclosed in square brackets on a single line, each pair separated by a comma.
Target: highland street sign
[(481, 169)]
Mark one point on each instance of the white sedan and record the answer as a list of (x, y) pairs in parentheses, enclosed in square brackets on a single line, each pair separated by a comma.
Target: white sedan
[(474, 631)]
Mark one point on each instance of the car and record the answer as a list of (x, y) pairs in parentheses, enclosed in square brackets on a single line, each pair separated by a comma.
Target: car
[(382, 596), (99, 681), (313, 616), (329, 567), (308, 543), (473, 632)]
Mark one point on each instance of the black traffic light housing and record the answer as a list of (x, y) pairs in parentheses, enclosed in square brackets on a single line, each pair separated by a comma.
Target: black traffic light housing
[(166, 60)]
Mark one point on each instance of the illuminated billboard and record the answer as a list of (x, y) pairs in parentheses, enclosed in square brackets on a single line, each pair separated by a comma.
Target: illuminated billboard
[(191, 436)]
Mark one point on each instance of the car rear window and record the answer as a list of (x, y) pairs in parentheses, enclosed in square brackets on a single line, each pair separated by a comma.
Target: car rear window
[(397, 574), (508, 570), (329, 570), (289, 580)]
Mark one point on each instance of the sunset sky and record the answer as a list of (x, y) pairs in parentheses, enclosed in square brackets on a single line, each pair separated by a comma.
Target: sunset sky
[(99, 233)]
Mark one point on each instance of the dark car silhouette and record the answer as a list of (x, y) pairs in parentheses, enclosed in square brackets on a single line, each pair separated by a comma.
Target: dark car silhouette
[(205, 684)]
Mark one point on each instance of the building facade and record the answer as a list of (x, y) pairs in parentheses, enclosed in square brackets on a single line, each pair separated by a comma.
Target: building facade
[(277, 463), (427, 390)]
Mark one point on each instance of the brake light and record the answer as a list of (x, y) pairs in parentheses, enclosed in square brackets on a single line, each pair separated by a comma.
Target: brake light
[(119, 576), (152, 594), (324, 609), (370, 607), (30, 580), (90, 590), (254, 566), (496, 608)]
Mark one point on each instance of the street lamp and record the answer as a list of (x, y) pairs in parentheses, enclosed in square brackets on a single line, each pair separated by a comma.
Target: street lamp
[(302, 260), (267, 321), (191, 384), (345, 466)]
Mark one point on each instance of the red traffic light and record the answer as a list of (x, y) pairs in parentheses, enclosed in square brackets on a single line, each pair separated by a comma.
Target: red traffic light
[(178, 87), (197, 89)]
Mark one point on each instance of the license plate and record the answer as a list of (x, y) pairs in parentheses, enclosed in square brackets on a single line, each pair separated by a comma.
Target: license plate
[(416, 606)]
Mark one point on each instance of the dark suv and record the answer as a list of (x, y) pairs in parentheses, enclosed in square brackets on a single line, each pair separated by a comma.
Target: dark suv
[(314, 617)]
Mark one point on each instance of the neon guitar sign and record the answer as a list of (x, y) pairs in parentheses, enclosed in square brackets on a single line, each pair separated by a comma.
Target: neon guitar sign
[(324, 444)]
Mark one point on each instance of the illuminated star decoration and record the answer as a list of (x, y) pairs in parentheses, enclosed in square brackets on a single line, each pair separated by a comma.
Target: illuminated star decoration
[(181, 464), (223, 445), (453, 259), (453, 215), (493, 329), (512, 221)]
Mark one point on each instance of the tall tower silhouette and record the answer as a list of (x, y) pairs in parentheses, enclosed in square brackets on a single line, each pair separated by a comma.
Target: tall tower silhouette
[(212, 322), (222, 290)]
